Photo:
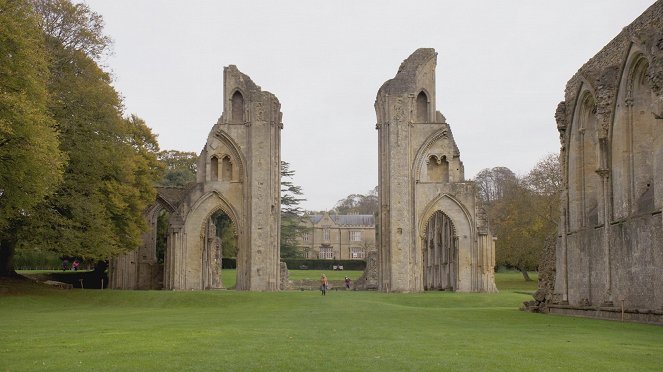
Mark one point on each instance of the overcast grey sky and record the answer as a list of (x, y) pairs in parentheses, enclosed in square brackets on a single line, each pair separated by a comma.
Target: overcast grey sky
[(502, 67)]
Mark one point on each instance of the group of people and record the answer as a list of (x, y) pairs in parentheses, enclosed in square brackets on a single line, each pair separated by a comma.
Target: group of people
[(324, 284), (74, 265)]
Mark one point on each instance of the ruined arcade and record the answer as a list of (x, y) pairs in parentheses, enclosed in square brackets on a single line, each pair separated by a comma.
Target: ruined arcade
[(238, 174), (609, 252)]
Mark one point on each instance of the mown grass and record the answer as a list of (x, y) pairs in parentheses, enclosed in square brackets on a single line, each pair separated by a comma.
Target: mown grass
[(45, 329)]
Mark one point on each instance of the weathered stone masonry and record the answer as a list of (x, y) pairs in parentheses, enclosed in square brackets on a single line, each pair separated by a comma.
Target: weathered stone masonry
[(610, 246), (433, 232), (239, 175)]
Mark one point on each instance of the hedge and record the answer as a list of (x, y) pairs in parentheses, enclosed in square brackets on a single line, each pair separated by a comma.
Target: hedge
[(228, 263), (295, 264)]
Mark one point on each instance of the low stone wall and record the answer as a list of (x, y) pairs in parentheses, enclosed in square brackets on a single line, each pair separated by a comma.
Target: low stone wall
[(609, 313)]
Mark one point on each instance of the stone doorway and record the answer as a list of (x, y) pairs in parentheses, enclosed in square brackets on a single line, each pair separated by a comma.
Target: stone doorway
[(237, 176), (440, 253), (220, 241)]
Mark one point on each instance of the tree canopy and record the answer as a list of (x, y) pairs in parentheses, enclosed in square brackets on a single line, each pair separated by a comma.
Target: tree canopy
[(180, 167), (522, 211), (31, 163), (359, 203), (96, 211)]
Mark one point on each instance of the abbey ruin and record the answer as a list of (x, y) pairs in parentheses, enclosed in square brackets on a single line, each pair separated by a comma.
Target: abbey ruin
[(609, 252), (238, 174), (433, 232)]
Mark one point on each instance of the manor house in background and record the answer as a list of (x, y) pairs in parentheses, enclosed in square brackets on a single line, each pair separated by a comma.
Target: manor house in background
[(338, 236)]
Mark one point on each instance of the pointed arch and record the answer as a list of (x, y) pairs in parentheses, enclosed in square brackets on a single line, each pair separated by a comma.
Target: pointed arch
[(423, 155), (437, 169), (440, 252), (583, 162), (226, 168), (422, 107), (214, 168), (636, 140), (235, 155), (237, 107), (443, 271)]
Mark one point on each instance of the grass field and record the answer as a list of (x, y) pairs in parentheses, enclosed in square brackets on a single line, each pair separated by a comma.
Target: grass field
[(46, 329)]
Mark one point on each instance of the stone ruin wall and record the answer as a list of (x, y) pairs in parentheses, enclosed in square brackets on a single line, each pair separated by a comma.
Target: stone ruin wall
[(609, 253), (420, 173), (239, 175)]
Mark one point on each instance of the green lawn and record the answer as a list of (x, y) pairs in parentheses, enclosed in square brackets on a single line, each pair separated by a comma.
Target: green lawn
[(46, 329)]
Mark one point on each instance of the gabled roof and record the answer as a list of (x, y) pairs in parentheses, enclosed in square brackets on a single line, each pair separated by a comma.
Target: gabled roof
[(346, 219)]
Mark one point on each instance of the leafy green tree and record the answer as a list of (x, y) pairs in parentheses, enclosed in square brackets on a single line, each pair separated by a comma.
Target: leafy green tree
[(30, 162), (180, 167), (74, 27), (494, 183), (522, 212), (293, 221), (109, 180)]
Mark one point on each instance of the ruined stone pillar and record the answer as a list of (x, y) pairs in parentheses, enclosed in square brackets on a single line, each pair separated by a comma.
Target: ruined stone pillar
[(421, 176)]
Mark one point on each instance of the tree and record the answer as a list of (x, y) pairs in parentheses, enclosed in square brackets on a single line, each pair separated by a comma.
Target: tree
[(493, 183), (522, 212), (180, 167), (73, 27), (293, 221), (97, 212), (359, 203), (30, 162)]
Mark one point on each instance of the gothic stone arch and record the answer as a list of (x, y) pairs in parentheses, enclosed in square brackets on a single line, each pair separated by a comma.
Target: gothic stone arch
[(421, 174), (613, 260), (239, 174)]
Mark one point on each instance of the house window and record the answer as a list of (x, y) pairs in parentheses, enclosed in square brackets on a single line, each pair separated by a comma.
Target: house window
[(326, 253), (355, 236), (325, 234), (356, 253), (306, 237)]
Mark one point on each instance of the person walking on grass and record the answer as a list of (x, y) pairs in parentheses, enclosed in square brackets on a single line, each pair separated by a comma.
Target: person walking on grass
[(323, 284)]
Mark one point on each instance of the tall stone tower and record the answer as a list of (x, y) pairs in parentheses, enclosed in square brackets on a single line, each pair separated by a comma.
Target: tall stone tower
[(238, 174), (240, 168), (433, 231)]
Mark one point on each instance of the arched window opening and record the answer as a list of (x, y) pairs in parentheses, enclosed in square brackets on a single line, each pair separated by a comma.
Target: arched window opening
[(237, 115), (226, 169), (161, 236), (433, 169), (645, 133), (220, 241), (437, 169), (214, 169), (440, 253), (591, 181), (422, 108), (583, 161)]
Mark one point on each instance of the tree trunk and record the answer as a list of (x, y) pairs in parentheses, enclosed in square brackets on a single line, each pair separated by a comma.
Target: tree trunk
[(7, 247), (100, 273), (525, 275)]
